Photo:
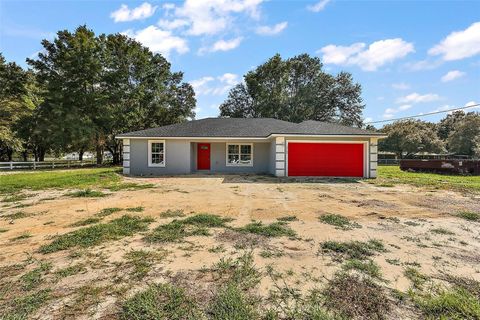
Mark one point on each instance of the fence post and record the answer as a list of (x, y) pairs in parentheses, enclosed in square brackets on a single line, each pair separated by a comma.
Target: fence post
[(34, 165), (53, 165), (11, 165)]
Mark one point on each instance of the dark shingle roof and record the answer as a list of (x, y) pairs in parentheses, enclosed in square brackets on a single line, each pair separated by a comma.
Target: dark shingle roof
[(246, 127)]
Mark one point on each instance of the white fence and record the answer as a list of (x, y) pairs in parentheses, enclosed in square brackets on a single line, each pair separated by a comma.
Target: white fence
[(51, 164)]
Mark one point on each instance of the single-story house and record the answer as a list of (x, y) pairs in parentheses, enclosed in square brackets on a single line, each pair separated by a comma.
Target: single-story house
[(251, 145)]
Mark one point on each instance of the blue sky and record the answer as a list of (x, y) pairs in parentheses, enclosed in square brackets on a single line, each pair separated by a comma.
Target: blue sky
[(411, 57)]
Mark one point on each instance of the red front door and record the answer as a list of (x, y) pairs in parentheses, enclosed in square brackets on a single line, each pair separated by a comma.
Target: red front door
[(203, 156)]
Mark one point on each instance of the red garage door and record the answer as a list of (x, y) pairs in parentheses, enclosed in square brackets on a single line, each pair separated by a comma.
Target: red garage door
[(325, 159)]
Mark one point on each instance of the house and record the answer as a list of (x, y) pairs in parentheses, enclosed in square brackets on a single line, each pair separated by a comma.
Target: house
[(251, 145)]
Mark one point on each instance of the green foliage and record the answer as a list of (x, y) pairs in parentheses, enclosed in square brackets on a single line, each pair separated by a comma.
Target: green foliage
[(206, 220), (417, 278), (442, 231), (97, 234), (231, 303), (295, 89), (465, 137), (79, 178), (340, 222), (160, 302), (16, 215), (23, 236), (240, 271), (408, 137), (135, 209), (288, 218), (469, 215), (353, 249), (275, 229), (87, 193)]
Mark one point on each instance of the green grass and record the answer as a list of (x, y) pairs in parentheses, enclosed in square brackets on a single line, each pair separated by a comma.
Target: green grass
[(16, 215), (129, 186), (393, 175), (177, 230), (23, 236), (68, 179), (288, 218), (86, 222), (161, 301), (340, 222), (172, 214), (275, 229), (353, 249), (230, 302), (417, 278), (34, 278), (454, 303), (87, 193), (469, 215), (23, 306), (142, 261), (70, 270), (135, 209), (442, 231), (15, 198), (3, 230), (368, 267), (98, 234), (107, 211)]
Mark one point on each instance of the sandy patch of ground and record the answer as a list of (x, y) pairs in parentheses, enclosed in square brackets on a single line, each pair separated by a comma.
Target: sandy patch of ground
[(402, 217)]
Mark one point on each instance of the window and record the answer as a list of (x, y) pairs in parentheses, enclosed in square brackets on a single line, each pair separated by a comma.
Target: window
[(156, 153), (240, 154)]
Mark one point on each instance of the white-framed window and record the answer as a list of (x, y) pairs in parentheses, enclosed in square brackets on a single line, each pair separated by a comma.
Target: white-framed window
[(240, 154), (156, 153)]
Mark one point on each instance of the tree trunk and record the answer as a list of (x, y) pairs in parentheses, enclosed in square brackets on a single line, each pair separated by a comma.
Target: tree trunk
[(80, 155), (115, 153), (25, 156), (41, 155), (99, 154), (9, 154)]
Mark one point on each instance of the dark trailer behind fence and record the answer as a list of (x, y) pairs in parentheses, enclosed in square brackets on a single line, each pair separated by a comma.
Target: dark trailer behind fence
[(453, 166)]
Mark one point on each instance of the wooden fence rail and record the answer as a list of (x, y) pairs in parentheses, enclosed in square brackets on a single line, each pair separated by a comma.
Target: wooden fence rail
[(53, 164)]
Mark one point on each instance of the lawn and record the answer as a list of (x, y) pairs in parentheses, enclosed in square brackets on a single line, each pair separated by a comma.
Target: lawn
[(391, 175), (65, 179)]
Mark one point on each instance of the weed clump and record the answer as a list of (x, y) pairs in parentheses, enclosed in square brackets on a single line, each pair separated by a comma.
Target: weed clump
[(275, 229), (86, 222), (353, 249), (469, 215), (87, 193), (172, 214), (340, 222), (97, 234), (161, 301)]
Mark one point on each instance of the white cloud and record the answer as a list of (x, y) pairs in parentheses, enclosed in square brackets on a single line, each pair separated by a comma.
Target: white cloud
[(390, 112), (418, 98), (452, 75), (422, 65), (222, 45), (172, 24), (208, 17), (123, 14), (215, 86), (401, 86), (159, 41), (319, 6), (460, 44), (368, 119), (376, 55), (273, 30)]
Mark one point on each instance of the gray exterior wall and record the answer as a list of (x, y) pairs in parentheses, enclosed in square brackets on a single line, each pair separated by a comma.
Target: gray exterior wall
[(177, 158), (261, 159)]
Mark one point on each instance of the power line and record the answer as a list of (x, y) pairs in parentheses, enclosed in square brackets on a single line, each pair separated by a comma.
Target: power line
[(424, 114)]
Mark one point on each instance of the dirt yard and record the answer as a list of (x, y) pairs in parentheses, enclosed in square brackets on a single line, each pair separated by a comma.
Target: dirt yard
[(422, 240)]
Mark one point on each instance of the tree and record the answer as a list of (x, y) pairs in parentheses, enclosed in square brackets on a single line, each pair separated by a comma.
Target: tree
[(447, 124), (12, 106), (408, 137), (295, 89), (99, 86), (465, 137)]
